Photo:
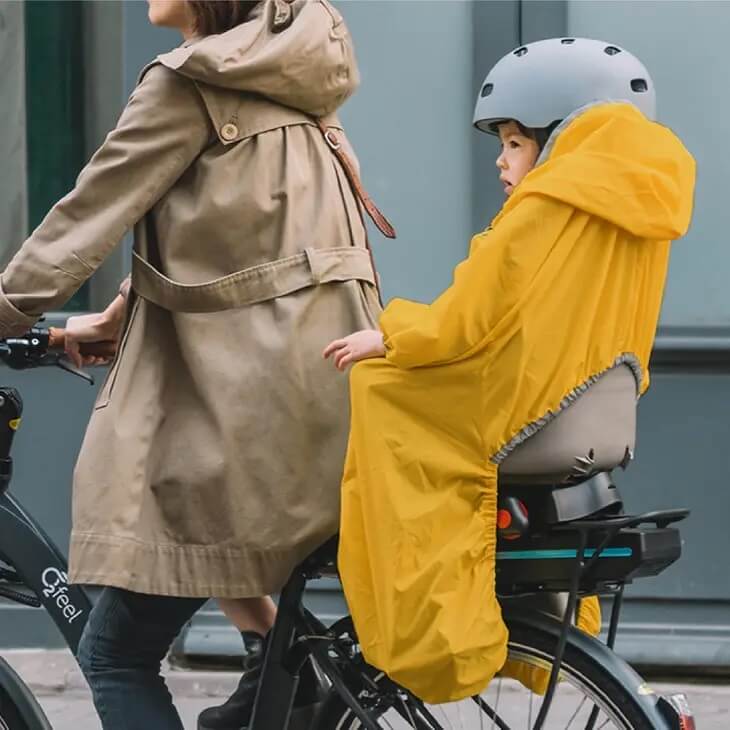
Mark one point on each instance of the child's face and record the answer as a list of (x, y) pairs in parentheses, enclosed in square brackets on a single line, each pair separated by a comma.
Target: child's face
[(518, 156)]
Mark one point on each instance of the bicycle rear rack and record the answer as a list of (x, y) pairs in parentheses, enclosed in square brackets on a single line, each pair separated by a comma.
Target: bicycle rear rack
[(584, 567), (575, 539)]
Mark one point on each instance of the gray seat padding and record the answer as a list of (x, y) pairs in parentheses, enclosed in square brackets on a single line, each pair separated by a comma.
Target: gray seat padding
[(594, 433)]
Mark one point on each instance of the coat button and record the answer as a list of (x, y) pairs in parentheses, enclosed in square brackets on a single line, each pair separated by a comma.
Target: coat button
[(229, 132)]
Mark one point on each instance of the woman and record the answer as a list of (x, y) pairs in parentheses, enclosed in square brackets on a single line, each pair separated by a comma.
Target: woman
[(212, 460)]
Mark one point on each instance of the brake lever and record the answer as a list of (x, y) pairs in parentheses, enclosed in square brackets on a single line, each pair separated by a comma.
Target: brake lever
[(65, 364)]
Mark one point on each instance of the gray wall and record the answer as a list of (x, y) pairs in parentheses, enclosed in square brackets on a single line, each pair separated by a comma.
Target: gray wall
[(682, 456), (683, 44), (103, 100), (13, 213), (422, 63), (415, 151)]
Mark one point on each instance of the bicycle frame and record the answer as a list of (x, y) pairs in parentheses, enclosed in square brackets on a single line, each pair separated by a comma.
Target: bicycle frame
[(40, 566), (34, 561), (286, 653)]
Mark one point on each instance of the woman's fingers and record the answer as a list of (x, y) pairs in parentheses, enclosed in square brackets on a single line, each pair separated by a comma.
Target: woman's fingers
[(72, 351), (91, 361)]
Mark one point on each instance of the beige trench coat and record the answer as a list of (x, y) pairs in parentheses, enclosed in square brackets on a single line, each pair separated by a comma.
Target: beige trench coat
[(213, 458)]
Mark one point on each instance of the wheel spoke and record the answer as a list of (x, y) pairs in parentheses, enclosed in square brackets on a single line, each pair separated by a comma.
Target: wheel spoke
[(461, 718), (408, 712), (424, 712), (496, 704), (581, 697), (446, 717), (489, 712), (575, 714)]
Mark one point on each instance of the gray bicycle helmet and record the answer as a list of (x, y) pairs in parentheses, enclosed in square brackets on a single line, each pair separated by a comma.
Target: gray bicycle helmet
[(544, 82)]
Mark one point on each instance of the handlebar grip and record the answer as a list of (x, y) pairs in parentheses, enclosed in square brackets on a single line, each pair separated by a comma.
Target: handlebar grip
[(57, 341)]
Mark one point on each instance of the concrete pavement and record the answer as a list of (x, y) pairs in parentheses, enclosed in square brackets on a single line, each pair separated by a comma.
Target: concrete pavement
[(62, 692)]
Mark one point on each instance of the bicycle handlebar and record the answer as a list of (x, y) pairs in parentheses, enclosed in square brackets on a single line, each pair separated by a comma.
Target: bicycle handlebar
[(57, 341), (40, 347)]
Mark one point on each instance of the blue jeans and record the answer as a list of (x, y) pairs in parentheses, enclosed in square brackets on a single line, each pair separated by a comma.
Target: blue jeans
[(121, 649)]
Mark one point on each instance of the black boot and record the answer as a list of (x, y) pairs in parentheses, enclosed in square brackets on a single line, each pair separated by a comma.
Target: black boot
[(235, 712)]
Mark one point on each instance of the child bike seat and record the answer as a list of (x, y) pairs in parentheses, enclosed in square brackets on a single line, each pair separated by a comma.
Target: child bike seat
[(595, 433)]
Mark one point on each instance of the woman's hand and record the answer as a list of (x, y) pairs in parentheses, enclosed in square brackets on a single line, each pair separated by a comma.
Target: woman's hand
[(102, 327), (357, 346)]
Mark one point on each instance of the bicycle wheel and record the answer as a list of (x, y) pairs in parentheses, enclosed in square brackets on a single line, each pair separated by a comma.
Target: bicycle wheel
[(594, 682), (19, 710)]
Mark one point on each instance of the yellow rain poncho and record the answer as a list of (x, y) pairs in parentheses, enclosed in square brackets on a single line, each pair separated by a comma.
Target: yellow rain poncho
[(566, 282)]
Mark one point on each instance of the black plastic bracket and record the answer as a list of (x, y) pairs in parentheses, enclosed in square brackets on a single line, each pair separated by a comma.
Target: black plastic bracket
[(6, 473)]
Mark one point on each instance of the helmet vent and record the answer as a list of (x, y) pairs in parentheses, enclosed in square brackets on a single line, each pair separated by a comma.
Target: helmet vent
[(611, 50), (567, 41), (639, 85), (521, 51), (487, 90)]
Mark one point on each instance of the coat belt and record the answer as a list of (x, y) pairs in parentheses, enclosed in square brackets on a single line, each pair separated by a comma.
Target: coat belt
[(255, 284)]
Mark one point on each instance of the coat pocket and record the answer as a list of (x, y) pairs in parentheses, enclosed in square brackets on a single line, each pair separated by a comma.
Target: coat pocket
[(105, 392)]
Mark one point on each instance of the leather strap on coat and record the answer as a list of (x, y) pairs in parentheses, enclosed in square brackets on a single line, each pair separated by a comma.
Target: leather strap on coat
[(382, 223)]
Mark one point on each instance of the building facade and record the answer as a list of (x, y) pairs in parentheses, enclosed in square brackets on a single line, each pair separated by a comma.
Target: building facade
[(68, 68)]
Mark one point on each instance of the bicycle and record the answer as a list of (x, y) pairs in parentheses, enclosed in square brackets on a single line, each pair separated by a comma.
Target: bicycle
[(564, 538)]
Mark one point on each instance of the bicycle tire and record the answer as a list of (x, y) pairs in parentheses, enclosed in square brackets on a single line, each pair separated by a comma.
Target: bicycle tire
[(590, 662), (19, 709)]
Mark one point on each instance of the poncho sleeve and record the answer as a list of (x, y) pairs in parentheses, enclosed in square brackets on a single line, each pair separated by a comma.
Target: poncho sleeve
[(486, 287)]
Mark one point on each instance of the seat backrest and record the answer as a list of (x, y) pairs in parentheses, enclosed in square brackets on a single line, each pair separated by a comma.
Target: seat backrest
[(595, 433)]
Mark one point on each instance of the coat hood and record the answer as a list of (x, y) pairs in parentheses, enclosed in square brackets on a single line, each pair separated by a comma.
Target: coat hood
[(295, 52), (612, 162)]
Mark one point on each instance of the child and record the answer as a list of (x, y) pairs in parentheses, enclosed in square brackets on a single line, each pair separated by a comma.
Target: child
[(565, 284), (520, 150)]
